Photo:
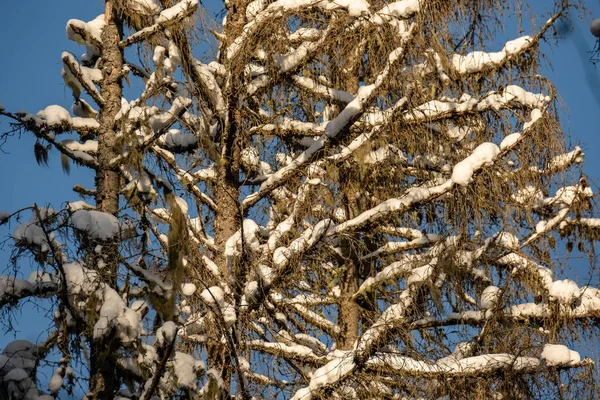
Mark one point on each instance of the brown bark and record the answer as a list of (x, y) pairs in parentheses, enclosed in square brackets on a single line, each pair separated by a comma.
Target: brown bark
[(349, 311), (228, 215), (104, 381), (107, 179)]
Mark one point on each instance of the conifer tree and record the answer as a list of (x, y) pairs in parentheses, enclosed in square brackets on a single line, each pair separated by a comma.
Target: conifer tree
[(346, 199)]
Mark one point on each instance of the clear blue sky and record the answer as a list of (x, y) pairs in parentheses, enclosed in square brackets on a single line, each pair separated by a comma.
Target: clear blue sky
[(32, 37)]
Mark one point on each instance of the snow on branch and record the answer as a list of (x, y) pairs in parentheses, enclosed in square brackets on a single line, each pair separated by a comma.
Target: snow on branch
[(149, 277), (406, 266), (88, 34), (185, 177), (165, 19), (482, 365), (322, 90), (58, 120), (478, 61), (420, 242), (346, 117), (441, 109), (76, 75), (285, 127), (39, 284), (565, 198), (586, 305), (561, 162), (333, 210), (160, 124), (96, 225), (310, 316), (293, 352), (344, 364), (35, 234), (280, 8), (412, 196), (210, 86)]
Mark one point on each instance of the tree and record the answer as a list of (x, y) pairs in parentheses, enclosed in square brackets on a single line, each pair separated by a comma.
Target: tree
[(353, 199)]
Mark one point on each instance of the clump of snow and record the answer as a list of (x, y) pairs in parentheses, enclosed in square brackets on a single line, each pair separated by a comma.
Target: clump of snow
[(175, 11), (41, 277), (564, 291), (484, 154), (590, 299), (335, 370), (510, 140), (254, 8), (529, 195), (19, 385), (188, 289), (233, 245), (21, 354), (355, 7), (339, 214), (540, 227), (479, 60), (166, 333), (161, 215), (507, 240), (458, 132), (186, 369), (174, 139), (81, 108), (17, 368), (213, 295), (114, 313), (32, 234), (536, 114), (55, 116), (266, 273), (87, 33), (143, 7), (568, 194), (80, 280), (79, 205), (250, 158), (98, 225), (398, 9), (182, 204), (420, 275), (93, 28), (163, 121), (90, 146), (559, 355), (490, 297), (56, 381), (383, 154)]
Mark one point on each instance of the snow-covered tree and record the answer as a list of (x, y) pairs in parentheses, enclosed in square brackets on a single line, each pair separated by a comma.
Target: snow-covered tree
[(353, 199)]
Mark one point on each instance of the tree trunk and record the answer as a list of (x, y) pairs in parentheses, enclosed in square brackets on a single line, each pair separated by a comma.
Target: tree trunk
[(349, 310), (228, 216), (104, 382)]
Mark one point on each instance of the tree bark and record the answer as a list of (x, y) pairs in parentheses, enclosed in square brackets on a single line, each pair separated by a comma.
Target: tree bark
[(107, 179), (349, 310), (228, 216), (104, 382)]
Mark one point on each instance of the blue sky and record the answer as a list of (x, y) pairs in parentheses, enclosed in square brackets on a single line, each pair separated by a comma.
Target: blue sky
[(32, 37)]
